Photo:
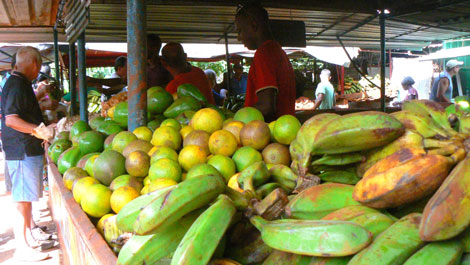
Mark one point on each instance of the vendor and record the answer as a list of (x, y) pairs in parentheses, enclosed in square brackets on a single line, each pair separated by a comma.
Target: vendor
[(442, 87), (174, 60), (271, 79)]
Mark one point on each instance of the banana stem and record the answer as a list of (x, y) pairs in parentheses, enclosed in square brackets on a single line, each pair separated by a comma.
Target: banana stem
[(258, 222)]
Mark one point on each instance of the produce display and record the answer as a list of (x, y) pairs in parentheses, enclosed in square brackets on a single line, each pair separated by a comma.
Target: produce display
[(200, 185), (364, 86)]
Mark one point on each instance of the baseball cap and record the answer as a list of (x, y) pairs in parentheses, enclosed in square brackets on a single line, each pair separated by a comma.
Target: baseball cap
[(453, 63)]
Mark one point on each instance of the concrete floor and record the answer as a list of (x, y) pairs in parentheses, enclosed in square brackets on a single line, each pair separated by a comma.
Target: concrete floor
[(42, 216)]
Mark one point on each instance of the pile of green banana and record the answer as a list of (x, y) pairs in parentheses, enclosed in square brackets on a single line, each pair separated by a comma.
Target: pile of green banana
[(394, 189)]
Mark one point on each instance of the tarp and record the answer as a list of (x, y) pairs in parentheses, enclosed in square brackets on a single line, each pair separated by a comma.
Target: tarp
[(447, 53)]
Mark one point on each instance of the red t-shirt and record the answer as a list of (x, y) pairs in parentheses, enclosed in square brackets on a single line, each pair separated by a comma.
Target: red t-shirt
[(271, 68), (196, 77)]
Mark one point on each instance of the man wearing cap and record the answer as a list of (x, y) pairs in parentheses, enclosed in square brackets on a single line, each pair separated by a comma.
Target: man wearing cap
[(442, 87)]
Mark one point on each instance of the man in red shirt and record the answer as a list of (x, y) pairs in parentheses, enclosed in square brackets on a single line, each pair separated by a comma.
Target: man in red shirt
[(174, 60), (271, 80)]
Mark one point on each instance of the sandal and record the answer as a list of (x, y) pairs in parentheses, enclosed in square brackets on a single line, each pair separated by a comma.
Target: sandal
[(39, 234)]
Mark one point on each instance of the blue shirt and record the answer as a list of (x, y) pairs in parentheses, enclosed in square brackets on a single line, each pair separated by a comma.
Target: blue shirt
[(435, 86), (239, 87)]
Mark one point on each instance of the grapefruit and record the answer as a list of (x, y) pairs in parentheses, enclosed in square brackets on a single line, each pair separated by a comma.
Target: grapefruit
[(223, 142), (121, 140), (91, 142), (185, 131), (108, 166), (80, 186), (208, 120), (122, 196), (163, 152), (235, 127), (167, 136), (224, 165), (255, 134), (199, 138), (245, 157), (165, 168), (172, 123), (248, 114), (276, 154), (126, 180), (89, 164), (190, 156), (286, 128), (138, 164), (137, 145), (160, 183), (96, 202), (73, 174), (143, 133), (202, 169)]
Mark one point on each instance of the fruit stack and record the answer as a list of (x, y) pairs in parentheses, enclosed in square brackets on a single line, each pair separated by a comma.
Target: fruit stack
[(200, 188)]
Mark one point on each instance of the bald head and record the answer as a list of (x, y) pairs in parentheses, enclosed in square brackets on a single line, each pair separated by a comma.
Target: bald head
[(28, 62), (173, 55)]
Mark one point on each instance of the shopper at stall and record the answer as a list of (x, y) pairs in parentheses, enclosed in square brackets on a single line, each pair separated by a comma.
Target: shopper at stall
[(218, 92), (271, 80), (411, 92), (174, 60), (157, 75), (442, 87), (22, 137), (239, 80), (325, 93)]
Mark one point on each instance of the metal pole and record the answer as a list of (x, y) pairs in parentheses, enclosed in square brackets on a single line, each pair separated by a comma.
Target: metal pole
[(137, 63), (72, 78), (227, 57), (56, 58), (82, 77), (382, 59)]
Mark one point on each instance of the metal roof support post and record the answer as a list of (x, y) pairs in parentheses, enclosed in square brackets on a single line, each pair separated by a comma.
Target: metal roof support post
[(72, 78), (56, 57), (137, 63), (382, 59), (227, 57), (82, 77)]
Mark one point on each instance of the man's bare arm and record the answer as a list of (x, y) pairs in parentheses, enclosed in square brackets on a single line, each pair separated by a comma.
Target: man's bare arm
[(18, 124), (267, 102), (441, 90), (318, 100)]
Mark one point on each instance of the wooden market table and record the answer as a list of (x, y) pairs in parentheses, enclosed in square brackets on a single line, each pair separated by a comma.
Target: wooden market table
[(80, 242)]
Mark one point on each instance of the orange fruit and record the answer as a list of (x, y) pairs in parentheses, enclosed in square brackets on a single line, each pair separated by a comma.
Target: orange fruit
[(80, 186), (286, 128), (202, 169), (224, 165), (122, 196), (191, 155), (248, 114), (172, 123), (235, 127), (126, 180), (255, 134), (167, 136), (160, 184), (73, 174), (246, 156), (163, 152), (223, 142), (185, 131), (208, 120), (138, 164), (121, 140), (143, 133), (199, 138), (276, 154), (165, 168), (233, 183), (99, 225), (96, 203)]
